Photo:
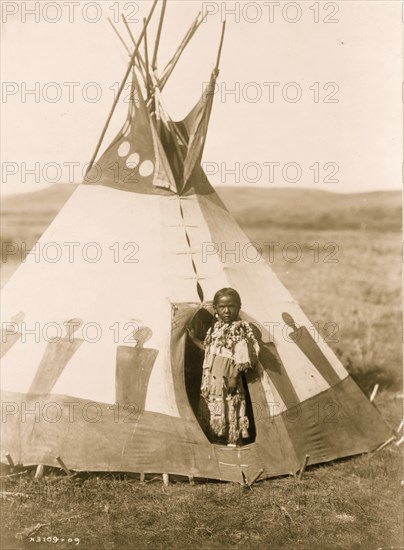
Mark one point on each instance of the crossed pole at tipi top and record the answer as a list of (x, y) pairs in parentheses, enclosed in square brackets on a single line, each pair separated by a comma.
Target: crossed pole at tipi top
[(153, 84)]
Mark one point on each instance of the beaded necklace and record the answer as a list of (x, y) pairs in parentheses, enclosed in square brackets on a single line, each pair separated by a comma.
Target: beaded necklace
[(226, 335)]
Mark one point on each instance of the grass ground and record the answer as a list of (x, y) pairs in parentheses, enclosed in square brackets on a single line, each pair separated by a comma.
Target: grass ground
[(350, 504), (354, 503)]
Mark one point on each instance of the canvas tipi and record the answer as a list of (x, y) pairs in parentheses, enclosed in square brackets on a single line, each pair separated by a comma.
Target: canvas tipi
[(95, 358)]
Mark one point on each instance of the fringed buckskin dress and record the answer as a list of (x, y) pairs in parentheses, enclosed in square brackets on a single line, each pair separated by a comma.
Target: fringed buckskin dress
[(230, 349)]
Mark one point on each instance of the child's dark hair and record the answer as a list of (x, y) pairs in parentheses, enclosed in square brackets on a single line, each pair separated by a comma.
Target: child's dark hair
[(227, 292)]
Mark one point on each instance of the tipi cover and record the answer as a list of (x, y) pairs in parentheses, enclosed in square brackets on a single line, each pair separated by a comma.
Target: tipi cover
[(96, 364)]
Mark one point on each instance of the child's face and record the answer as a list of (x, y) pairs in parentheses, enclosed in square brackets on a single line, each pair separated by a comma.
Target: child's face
[(227, 309)]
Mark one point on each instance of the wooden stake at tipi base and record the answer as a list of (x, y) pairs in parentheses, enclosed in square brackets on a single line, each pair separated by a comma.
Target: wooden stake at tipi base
[(15, 474), (303, 468), (385, 444), (166, 480), (374, 392), (63, 466), (250, 483), (10, 460), (39, 471)]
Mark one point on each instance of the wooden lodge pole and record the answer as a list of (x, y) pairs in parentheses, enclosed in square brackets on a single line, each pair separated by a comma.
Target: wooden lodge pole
[(219, 53), (160, 27), (119, 36), (118, 95), (174, 60), (139, 55), (146, 60)]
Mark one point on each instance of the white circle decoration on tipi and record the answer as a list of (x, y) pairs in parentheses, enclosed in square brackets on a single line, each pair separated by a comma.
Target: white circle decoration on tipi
[(124, 149), (133, 160), (146, 168)]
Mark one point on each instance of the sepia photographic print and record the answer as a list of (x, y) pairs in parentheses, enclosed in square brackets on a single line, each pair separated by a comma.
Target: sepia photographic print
[(201, 322)]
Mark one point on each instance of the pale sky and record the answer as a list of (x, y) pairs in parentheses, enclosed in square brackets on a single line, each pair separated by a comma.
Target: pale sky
[(355, 140)]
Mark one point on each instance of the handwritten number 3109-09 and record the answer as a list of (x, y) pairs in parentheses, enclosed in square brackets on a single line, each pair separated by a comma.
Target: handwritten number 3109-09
[(55, 540)]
